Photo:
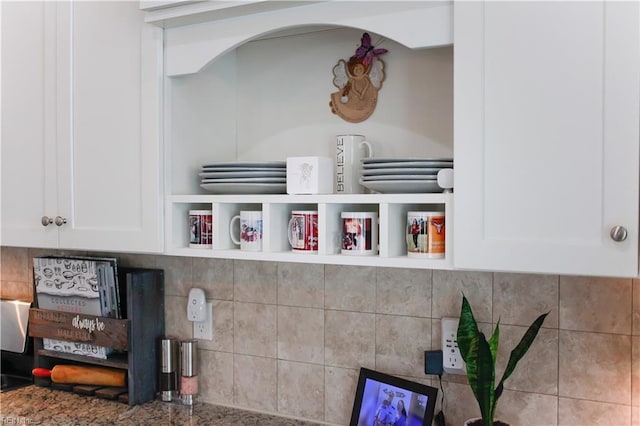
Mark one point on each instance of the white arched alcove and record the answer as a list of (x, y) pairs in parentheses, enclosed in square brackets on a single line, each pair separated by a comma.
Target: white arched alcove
[(414, 24), (257, 87)]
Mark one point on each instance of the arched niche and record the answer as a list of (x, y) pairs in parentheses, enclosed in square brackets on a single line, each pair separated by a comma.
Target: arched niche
[(414, 24)]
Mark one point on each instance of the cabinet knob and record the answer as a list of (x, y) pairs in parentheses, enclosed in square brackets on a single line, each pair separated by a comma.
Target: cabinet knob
[(60, 220), (618, 233), (46, 221)]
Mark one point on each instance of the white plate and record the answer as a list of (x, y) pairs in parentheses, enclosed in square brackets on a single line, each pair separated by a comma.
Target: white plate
[(409, 164), (247, 180), (409, 170), (400, 177), (402, 186), (245, 188), (369, 160), (252, 164), (247, 173)]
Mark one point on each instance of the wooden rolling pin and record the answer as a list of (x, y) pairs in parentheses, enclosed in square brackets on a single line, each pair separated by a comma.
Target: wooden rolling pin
[(81, 375)]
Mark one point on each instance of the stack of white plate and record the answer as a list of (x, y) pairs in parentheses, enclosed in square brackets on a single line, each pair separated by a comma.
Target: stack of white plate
[(403, 175), (241, 177)]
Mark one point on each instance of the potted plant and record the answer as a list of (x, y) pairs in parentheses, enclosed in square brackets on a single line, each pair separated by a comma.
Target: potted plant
[(480, 358)]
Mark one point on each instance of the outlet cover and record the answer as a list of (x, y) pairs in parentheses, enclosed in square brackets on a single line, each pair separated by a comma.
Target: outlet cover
[(203, 330), (452, 362)]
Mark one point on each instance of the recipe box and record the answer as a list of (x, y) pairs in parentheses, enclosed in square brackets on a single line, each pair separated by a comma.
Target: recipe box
[(309, 175)]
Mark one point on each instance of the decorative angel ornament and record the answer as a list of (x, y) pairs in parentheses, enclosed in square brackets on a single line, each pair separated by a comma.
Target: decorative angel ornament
[(358, 81)]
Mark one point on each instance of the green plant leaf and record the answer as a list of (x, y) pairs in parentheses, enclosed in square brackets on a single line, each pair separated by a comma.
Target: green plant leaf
[(467, 329), (479, 359), (519, 351), (485, 380), (493, 342)]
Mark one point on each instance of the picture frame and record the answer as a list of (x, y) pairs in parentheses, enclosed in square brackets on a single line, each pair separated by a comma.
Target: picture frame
[(385, 400)]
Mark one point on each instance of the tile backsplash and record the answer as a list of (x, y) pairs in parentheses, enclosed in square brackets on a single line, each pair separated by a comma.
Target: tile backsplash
[(290, 338)]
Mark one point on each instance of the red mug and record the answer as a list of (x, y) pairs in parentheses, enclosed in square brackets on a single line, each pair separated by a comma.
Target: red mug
[(303, 231)]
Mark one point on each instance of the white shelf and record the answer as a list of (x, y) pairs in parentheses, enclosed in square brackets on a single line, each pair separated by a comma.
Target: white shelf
[(233, 92), (391, 208)]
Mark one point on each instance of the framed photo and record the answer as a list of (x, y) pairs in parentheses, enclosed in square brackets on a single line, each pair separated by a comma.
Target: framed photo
[(383, 400)]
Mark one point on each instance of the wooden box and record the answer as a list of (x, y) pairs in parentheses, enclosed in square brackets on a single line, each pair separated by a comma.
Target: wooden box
[(136, 337)]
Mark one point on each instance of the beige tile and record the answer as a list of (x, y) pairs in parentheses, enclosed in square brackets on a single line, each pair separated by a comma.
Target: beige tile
[(255, 382), (573, 412), (460, 404), (525, 408), (216, 377), (137, 260), (255, 281), (537, 371), (177, 274), (595, 304), (518, 299), (636, 307), (350, 288), (254, 329), (16, 290), (635, 371), (15, 264), (214, 276), (339, 392), (595, 366), (301, 284), (301, 334), (222, 327), (400, 344), (635, 415), (349, 339), (301, 390), (404, 292), (448, 287), (175, 314)]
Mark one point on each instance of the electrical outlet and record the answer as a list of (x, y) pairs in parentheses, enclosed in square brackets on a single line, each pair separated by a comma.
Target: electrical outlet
[(203, 330), (452, 361)]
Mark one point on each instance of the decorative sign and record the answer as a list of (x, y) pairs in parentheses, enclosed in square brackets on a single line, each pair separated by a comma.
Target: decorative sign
[(359, 79), (90, 329)]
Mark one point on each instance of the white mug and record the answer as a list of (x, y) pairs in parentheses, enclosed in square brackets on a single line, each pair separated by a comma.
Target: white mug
[(250, 230), (349, 150), (359, 233), (425, 234)]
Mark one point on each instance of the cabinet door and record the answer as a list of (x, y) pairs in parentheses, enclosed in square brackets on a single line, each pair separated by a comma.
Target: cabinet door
[(546, 136), (28, 125), (109, 84)]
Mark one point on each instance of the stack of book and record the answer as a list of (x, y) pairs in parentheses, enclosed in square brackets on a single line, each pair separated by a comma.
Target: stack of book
[(83, 285)]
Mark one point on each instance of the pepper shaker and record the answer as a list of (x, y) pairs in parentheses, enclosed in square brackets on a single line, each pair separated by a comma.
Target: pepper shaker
[(169, 357)]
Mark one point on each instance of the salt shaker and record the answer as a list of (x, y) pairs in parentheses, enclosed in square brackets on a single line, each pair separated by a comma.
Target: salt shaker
[(189, 377)]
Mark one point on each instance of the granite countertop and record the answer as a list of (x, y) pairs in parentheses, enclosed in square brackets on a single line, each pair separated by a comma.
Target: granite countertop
[(33, 405)]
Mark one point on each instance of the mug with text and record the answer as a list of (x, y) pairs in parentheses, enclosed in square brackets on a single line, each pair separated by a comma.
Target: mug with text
[(359, 233), (303, 231), (250, 235), (349, 150)]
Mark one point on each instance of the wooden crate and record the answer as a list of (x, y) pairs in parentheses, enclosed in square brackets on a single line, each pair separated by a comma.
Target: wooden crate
[(136, 337)]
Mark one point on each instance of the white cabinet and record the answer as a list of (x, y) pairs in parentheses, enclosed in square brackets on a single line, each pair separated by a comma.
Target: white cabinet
[(28, 139), (81, 88), (546, 136)]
